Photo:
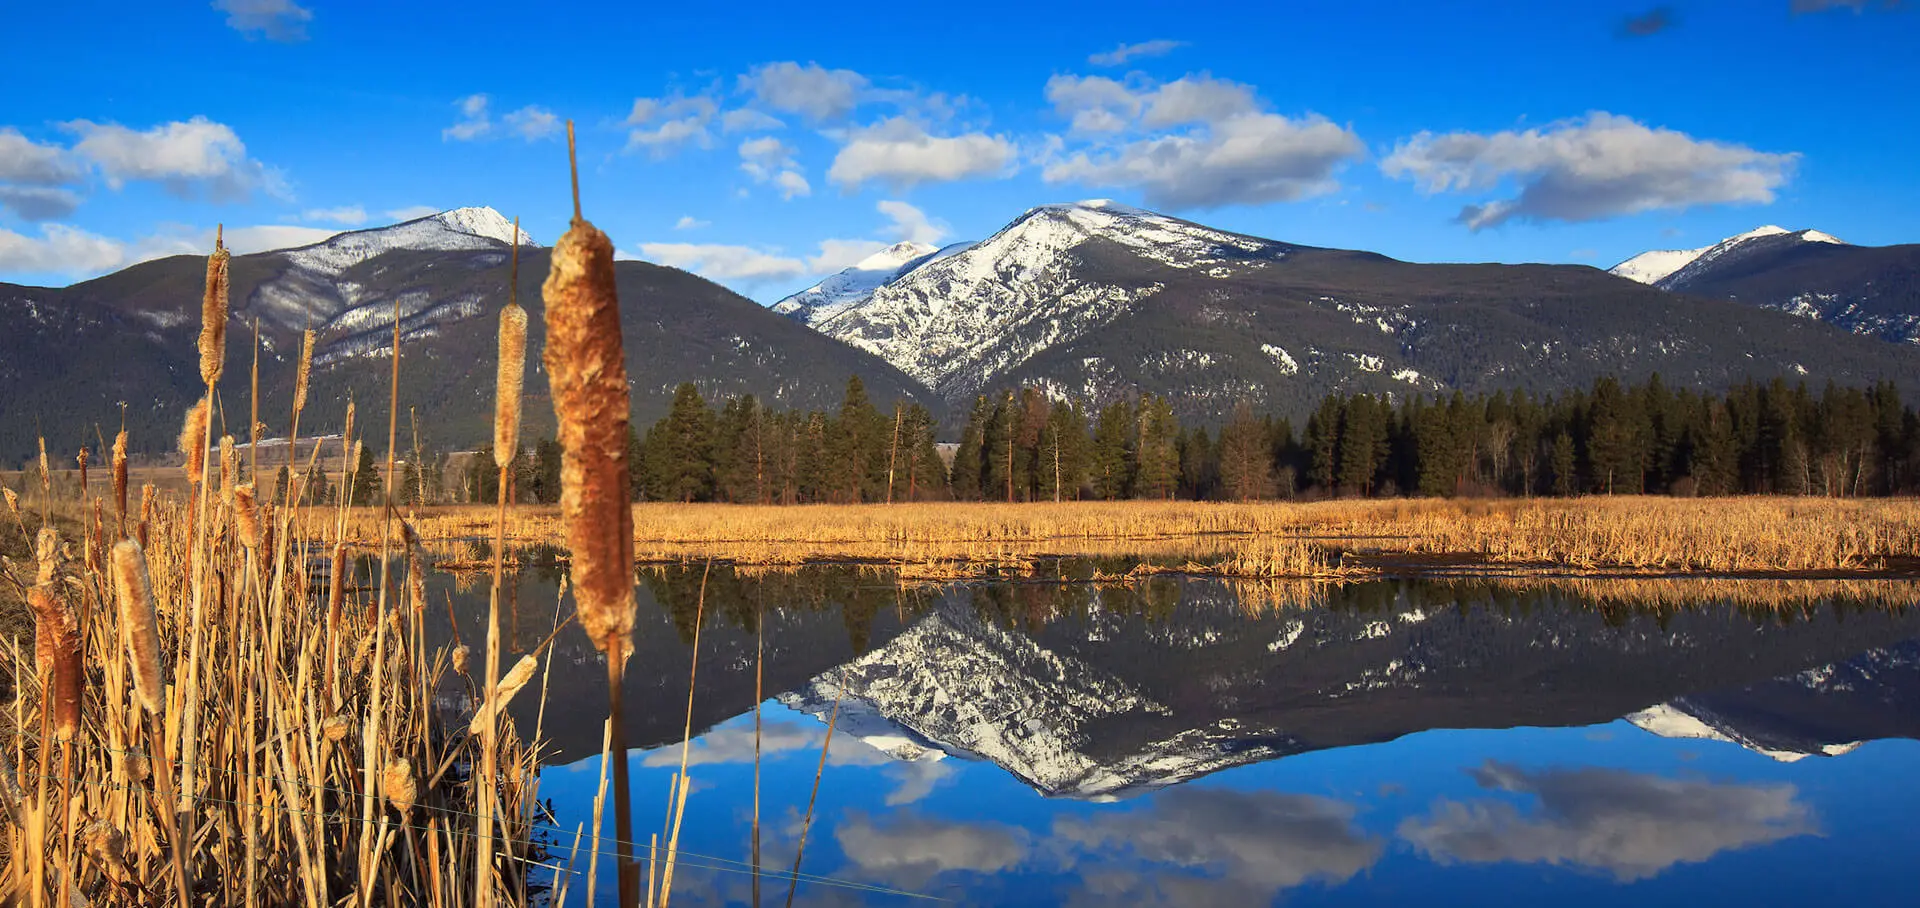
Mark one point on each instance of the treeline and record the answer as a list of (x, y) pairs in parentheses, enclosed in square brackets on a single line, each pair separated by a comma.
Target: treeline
[(1771, 438)]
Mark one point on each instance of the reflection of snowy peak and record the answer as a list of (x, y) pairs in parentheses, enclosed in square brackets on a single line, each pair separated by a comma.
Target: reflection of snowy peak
[(1680, 719), (852, 286), (1670, 269), (957, 321), (974, 689)]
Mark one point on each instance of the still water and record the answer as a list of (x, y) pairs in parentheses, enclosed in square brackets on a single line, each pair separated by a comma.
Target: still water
[(1194, 742)]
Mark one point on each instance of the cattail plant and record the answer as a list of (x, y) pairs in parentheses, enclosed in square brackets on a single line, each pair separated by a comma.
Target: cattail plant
[(57, 642), (587, 372), (506, 440), (81, 459), (246, 515), (213, 313), (302, 377), (503, 693), (193, 439), (133, 588)]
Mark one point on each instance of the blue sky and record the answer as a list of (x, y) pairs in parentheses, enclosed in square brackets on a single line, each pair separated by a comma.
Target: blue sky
[(766, 144)]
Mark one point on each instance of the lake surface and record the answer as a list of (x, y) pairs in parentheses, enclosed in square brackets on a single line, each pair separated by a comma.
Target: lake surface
[(1196, 742)]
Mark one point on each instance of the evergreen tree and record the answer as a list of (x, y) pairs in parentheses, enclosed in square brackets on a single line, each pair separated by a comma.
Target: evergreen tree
[(1064, 449), (366, 480), (1156, 468), (1323, 443), (967, 457), (1110, 472), (679, 450), (856, 448), (1246, 456)]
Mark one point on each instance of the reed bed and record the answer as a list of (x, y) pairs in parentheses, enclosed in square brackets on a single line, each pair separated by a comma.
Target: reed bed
[(1598, 535)]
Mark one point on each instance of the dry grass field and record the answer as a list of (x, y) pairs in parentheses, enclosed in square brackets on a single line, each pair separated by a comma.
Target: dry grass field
[(1784, 537)]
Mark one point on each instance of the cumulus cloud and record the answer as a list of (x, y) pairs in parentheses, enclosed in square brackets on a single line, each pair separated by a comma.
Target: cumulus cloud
[(746, 119), (22, 160), (474, 120), (346, 214), (721, 262), (663, 125), (812, 91), (60, 250), (910, 850), (1240, 848), (1121, 55), (1629, 825), (911, 224), (900, 153), (532, 122), (185, 157), (838, 254), (769, 160), (689, 222), (1586, 169), (38, 203), (275, 20), (412, 212), (1195, 142)]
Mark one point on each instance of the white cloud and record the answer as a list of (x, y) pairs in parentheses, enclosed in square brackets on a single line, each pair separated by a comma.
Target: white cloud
[(61, 250), (769, 160), (791, 183), (22, 160), (839, 255), (182, 156), (670, 135), (747, 119), (276, 20), (412, 212), (910, 223), (910, 850), (698, 107), (1589, 168), (1197, 99), (532, 122), (474, 120), (38, 203), (1242, 848), (735, 744), (1127, 52), (1630, 825), (345, 214), (900, 153), (1244, 160), (689, 222), (1230, 153), (720, 262), (820, 94), (244, 240), (662, 125)]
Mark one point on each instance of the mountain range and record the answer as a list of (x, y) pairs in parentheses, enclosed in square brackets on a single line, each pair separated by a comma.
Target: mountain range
[(1091, 299)]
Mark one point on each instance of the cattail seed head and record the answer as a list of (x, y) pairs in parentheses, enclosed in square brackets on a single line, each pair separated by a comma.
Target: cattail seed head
[(503, 693), (46, 469), (246, 515), (57, 645), (513, 368), (587, 371), (346, 433), (461, 656), (13, 502), (336, 728), (213, 317), (148, 497), (120, 474), (193, 439), (47, 555), (82, 460), (336, 587), (229, 469), (133, 587), (306, 372), (397, 781)]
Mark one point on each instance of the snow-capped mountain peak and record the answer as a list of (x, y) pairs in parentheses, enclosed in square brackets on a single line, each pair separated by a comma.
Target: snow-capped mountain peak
[(1661, 267), (854, 285), (955, 319)]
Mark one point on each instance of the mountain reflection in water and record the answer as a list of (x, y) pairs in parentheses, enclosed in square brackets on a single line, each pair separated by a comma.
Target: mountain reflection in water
[(1393, 740)]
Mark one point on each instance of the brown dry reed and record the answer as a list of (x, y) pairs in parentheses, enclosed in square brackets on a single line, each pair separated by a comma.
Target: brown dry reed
[(213, 316), (305, 373), (133, 588), (120, 474), (513, 368), (193, 438), (587, 371)]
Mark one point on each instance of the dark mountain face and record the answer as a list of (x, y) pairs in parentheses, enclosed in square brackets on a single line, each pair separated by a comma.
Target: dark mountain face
[(72, 354), (1869, 290)]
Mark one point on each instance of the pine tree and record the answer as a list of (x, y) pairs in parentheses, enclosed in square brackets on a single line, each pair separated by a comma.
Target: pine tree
[(1323, 443), (366, 480), (1156, 467), (968, 456), (679, 454), (1110, 472), (1246, 457)]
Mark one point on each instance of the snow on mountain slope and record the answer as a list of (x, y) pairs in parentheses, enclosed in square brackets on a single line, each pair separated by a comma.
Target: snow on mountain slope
[(460, 228), (956, 320), (1666, 268), (852, 286), (311, 291)]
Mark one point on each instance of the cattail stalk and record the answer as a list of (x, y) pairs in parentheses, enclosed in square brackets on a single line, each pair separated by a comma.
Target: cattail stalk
[(587, 373)]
